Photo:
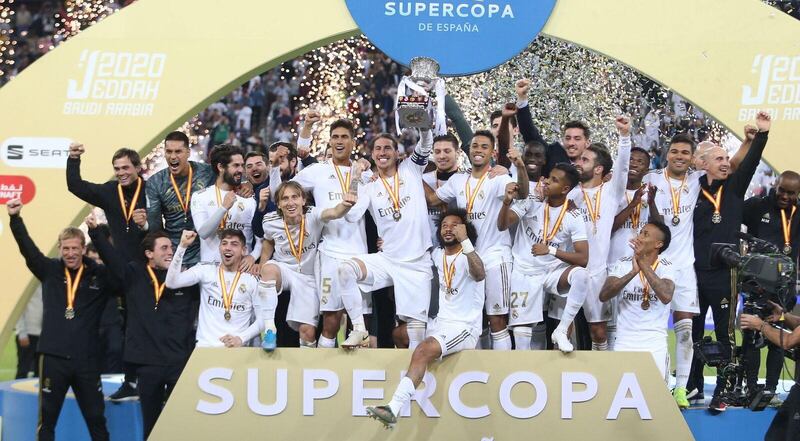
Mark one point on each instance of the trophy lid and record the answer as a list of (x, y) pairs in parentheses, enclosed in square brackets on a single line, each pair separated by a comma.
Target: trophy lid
[(424, 68)]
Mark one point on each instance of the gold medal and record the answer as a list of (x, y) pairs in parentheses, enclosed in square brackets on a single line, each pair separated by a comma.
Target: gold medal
[(470, 194), (158, 288), (549, 235), (646, 288), (344, 182), (716, 202), (184, 202), (219, 203), (296, 250), (449, 271), (394, 195), (636, 214), (594, 212), (786, 226), (227, 297), (72, 289), (675, 195), (127, 209)]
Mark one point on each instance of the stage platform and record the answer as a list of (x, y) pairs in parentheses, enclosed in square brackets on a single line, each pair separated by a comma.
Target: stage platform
[(19, 416)]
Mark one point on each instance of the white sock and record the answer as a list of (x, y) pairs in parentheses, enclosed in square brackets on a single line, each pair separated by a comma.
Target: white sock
[(522, 338), (307, 344), (600, 346), (611, 334), (416, 333), (578, 286), (268, 294), (683, 351), (539, 337), (402, 395), (349, 274), (501, 340), (325, 342)]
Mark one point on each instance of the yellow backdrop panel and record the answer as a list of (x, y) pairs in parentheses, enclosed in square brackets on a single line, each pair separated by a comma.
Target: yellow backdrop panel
[(245, 394)]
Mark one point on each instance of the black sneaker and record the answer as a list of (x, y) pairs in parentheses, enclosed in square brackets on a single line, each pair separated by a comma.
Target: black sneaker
[(717, 404), (126, 392)]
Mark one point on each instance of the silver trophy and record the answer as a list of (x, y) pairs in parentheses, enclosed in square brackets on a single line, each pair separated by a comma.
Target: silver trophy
[(420, 97)]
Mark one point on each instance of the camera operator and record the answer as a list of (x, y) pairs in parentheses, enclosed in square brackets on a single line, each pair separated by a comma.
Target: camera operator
[(718, 219), (772, 218), (786, 425)]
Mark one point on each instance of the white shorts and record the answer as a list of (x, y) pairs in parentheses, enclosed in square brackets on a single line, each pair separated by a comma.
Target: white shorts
[(304, 304), (411, 281), (329, 293), (685, 297), (658, 349), (555, 300), (528, 295), (497, 286), (595, 310), (452, 336)]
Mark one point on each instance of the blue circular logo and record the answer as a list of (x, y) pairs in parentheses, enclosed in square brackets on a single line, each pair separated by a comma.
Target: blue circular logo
[(464, 36)]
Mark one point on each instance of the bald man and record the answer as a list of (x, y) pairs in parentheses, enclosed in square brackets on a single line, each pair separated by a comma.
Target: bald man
[(718, 219)]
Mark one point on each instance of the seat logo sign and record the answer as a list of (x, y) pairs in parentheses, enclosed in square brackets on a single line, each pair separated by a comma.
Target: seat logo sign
[(35, 152), (464, 36)]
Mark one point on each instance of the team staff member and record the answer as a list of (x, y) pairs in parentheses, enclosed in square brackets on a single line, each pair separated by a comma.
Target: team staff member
[(158, 341), (169, 193), (123, 202), (774, 218), (73, 296), (718, 219)]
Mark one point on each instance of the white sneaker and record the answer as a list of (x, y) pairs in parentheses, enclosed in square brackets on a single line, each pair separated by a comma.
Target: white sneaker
[(561, 341), (356, 339)]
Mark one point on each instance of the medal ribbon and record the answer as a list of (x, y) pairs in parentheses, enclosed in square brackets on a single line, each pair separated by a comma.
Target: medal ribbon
[(449, 270), (158, 288), (594, 212), (645, 285), (219, 202), (394, 194), (227, 298), (343, 182), (297, 250), (127, 210), (470, 194), (675, 194), (72, 286), (715, 200), (549, 235), (637, 213), (184, 202), (787, 226)]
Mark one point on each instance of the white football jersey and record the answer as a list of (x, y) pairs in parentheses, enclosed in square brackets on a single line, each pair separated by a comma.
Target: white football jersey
[(463, 301), (530, 231), (634, 322), (681, 248), (493, 245), (245, 309), (609, 194), (341, 239), (275, 231), (239, 217), (434, 213), (409, 237), (620, 239)]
